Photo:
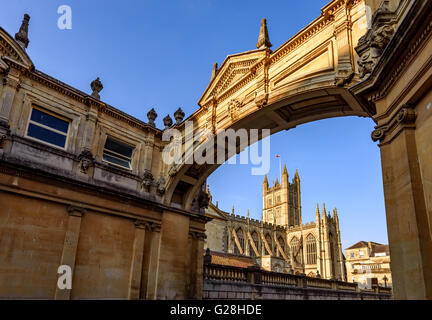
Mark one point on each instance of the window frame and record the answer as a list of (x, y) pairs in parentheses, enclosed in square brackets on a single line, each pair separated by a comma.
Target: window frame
[(115, 153), (55, 115)]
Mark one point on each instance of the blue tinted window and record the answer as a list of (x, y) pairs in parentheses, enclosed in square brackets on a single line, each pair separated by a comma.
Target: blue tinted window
[(46, 135), (119, 148), (49, 121)]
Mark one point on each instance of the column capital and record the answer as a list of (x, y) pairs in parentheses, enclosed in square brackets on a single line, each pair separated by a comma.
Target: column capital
[(76, 211), (141, 224)]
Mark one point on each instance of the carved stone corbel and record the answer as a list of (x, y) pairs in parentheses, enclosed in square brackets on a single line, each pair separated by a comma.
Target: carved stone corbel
[(86, 160), (371, 46), (161, 185), (261, 100), (405, 118), (233, 109), (147, 180)]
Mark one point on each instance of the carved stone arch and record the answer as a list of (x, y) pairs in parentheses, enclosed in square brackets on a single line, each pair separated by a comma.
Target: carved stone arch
[(10, 49)]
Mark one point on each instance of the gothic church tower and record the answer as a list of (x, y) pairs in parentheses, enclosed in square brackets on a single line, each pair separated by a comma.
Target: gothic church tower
[(282, 201)]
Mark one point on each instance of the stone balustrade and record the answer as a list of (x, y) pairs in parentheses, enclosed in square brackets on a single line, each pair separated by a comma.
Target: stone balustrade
[(228, 282)]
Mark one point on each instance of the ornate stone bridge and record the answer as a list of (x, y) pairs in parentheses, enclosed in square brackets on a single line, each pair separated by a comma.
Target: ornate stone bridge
[(368, 58)]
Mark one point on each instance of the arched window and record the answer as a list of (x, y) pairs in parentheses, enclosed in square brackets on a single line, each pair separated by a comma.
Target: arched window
[(269, 242), (311, 249), (282, 245), (240, 237), (255, 239), (297, 253)]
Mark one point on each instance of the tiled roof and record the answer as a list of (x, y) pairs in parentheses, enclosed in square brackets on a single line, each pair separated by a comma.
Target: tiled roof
[(363, 244), (227, 259), (380, 248)]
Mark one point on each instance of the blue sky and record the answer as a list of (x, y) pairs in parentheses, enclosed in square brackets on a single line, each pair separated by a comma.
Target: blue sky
[(160, 54)]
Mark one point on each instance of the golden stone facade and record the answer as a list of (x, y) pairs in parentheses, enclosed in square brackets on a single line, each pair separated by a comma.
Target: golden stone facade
[(280, 241), (368, 263), (97, 196)]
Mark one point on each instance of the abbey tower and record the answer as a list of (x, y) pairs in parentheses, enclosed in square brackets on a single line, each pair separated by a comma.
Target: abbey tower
[(280, 241), (282, 202)]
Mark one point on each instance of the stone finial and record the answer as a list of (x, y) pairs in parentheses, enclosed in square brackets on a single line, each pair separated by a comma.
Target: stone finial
[(214, 72), (179, 116), (97, 87), (22, 35), (207, 257), (152, 115), (168, 122), (263, 39)]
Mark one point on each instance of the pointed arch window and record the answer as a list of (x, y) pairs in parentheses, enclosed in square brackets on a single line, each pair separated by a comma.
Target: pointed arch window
[(311, 249)]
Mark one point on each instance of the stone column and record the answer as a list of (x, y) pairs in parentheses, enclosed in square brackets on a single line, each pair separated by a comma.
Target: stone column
[(135, 274), (70, 247), (407, 217)]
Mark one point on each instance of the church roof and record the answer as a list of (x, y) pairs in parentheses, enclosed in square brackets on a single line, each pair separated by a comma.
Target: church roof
[(231, 260)]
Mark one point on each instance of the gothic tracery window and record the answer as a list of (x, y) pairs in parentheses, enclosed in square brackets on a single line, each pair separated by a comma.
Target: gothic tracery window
[(296, 250), (311, 249)]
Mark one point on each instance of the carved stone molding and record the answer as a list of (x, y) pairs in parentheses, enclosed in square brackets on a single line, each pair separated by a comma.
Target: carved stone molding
[(86, 160), (406, 117), (234, 107), (76, 211), (4, 132), (155, 227), (161, 185), (141, 224), (147, 180), (197, 235), (371, 46), (261, 100), (203, 200)]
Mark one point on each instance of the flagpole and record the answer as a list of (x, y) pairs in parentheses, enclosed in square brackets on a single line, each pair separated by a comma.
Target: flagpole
[(280, 170)]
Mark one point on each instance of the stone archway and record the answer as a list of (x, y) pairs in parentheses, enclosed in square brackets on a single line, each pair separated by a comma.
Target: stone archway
[(313, 77)]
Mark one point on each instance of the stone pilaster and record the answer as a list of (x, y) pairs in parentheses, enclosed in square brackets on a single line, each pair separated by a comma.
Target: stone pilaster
[(70, 247), (153, 263), (135, 275), (407, 217)]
